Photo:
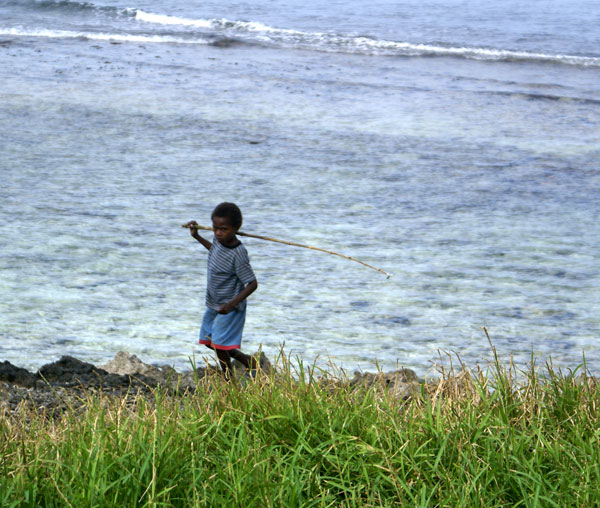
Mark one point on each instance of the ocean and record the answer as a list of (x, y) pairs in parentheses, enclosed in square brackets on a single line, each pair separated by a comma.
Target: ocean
[(454, 144)]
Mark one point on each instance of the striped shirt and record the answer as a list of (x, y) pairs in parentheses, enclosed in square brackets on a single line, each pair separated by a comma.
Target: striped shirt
[(228, 272)]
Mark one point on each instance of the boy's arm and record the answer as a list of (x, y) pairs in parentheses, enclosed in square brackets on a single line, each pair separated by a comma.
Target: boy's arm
[(194, 233), (226, 308)]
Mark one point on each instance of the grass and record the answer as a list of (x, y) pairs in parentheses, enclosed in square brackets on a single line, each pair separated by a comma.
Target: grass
[(469, 439)]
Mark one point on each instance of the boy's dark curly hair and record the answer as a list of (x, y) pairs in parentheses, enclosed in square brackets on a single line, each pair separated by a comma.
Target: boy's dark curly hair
[(229, 211)]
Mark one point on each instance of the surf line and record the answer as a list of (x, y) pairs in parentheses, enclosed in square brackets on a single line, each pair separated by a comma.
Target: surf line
[(294, 244)]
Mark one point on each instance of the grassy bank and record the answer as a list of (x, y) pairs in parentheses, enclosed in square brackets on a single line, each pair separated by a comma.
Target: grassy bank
[(466, 440)]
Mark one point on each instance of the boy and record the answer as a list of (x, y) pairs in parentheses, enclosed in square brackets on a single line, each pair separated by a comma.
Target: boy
[(230, 280)]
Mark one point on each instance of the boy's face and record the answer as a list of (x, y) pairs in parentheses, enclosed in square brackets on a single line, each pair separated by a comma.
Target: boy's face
[(224, 231)]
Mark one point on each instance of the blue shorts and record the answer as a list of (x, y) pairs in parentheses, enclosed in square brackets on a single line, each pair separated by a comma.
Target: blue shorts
[(222, 331)]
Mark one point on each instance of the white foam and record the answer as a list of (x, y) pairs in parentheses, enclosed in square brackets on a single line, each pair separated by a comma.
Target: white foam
[(162, 19), (250, 26), (68, 34), (316, 41), (486, 54), (333, 43), (255, 26), (373, 46)]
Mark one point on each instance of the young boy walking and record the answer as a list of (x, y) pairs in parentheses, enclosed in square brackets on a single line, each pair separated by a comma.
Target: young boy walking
[(230, 280)]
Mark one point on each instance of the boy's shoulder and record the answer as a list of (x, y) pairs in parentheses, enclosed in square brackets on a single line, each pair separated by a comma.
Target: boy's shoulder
[(239, 249), (233, 248)]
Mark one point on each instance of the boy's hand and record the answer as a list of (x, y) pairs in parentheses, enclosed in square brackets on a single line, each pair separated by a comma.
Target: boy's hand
[(193, 225), (226, 308)]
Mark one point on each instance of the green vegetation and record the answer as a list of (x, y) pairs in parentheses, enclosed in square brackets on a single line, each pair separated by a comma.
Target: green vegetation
[(290, 439)]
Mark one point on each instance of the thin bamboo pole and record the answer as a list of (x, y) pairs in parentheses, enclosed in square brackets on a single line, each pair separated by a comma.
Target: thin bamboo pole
[(294, 244)]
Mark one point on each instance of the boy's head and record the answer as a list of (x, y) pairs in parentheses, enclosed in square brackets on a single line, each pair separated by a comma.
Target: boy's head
[(229, 211)]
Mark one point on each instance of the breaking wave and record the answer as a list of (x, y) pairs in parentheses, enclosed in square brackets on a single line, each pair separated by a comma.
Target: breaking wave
[(331, 42), (197, 30), (100, 36)]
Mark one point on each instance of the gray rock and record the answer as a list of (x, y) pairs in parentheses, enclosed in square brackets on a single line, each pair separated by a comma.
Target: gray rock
[(16, 375), (263, 362), (127, 364), (402, 383), (130, 365), (70, 371), (66, 383)]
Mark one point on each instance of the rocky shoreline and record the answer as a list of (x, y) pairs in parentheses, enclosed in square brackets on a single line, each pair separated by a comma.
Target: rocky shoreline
[(68, 382)]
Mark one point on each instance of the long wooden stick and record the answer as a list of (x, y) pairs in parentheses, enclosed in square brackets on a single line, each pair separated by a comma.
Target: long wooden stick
[(294, 244)]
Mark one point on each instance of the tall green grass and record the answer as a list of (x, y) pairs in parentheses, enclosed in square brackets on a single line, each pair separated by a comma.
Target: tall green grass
[(291, 439)]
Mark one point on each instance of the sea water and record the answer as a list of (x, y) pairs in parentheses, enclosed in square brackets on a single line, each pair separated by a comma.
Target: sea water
[(453, 144)]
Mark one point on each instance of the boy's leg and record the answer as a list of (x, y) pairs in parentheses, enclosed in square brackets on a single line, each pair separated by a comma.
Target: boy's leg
[(226, 337), (206, 331), (225, 362), (246, 360)]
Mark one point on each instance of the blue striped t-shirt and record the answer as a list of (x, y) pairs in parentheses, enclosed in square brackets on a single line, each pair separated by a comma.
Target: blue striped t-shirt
[(228, 272)]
